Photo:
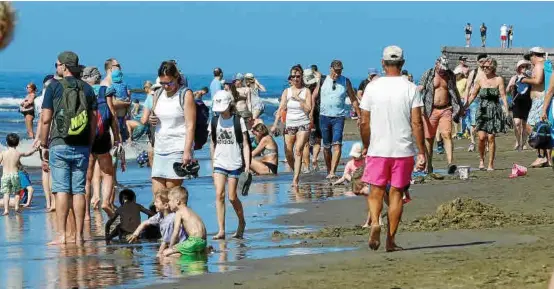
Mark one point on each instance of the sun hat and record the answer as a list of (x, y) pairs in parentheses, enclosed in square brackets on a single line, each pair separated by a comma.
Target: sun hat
[(393, 52), (249, 76), (522, 62), (221, 101), (537, 50), (356, 150), (309, 77)]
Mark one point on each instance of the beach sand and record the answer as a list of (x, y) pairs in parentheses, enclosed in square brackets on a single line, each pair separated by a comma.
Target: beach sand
[(505, 245)]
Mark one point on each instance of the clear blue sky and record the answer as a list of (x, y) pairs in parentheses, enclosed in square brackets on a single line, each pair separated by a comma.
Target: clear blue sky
[(265, 38)]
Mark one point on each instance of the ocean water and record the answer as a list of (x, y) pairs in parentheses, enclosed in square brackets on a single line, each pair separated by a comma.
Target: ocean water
[(29, 263)]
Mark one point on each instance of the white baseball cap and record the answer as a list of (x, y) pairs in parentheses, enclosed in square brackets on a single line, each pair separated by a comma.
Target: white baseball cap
[(356, 150), (393, 53), (221, 101), (538, 50)]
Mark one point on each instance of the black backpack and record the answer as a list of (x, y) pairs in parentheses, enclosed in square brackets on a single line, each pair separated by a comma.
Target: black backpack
[(71, 114), (540, 136), (202, 118), (238, 135)]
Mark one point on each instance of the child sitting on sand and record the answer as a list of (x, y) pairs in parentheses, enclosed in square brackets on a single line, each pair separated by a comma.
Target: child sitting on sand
[(165, 219), (190, 222), (10, 176), (356, 163), (129, 216)]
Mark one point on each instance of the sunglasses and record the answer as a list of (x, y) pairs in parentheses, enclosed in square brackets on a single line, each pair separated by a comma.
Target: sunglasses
[(334, 84), (295, 76), (170, 83), (58, 64)]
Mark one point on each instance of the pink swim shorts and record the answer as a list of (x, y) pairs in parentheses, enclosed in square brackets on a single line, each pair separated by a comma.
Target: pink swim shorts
[(380, 171)]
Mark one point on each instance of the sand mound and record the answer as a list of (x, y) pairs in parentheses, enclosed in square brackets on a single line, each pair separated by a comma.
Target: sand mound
[(467, 213)]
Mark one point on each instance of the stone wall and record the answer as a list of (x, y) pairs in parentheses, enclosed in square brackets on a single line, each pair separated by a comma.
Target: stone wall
[(506, 58)]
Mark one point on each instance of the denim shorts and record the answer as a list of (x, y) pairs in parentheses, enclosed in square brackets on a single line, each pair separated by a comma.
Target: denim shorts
[(68, 167), (234, 174), (331, 130)]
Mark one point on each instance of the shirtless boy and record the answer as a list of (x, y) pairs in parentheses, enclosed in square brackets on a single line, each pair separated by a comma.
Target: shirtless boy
[(10, 174), (441, 106), (190, 222), (537, 56)]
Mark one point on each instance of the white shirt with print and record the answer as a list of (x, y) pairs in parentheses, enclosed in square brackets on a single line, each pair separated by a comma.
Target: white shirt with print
[(390, 101), (227, 154)]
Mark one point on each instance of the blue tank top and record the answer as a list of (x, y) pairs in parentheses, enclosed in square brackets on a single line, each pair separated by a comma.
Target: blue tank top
[(333, 94)]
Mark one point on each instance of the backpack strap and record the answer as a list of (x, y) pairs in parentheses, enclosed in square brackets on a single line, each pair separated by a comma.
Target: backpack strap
[(213, 125), (182, 96), (156, 97), (238, 130)]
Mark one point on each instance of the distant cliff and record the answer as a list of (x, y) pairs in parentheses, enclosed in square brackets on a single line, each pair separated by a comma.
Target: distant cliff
[(507, 58)]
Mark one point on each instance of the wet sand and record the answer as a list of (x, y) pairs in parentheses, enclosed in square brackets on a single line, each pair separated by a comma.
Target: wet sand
[(504, 245)]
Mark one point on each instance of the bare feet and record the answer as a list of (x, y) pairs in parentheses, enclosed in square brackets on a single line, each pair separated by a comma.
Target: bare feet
[(481, 165), (219, 236), (240, 231), (392, 247), (60, 241), (6, 213), (27, 205), (95, 203), (366, 225), (331, 176), (375, 237), (50, 210)]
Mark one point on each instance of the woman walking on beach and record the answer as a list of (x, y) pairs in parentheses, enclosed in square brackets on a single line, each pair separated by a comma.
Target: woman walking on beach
[(267, 148), (27, 108), (100, 167), (174, 117), (257, 106), (297, 100), (229, 158), (46, 178), (521, 99), (490, 117)]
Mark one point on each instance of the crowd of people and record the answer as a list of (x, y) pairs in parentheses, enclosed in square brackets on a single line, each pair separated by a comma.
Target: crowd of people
[(506, 35), (80, 129)]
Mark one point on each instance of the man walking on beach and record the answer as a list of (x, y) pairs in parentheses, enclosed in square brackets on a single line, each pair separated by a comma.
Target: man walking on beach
[(390, 121), (216, 84), (69, 140), (442, 105), (537, 57), (334, 89)]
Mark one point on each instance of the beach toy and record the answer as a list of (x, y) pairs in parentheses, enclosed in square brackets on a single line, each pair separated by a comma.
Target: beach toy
[(518, 171), (142, 159), (7, 24), (463, 172)]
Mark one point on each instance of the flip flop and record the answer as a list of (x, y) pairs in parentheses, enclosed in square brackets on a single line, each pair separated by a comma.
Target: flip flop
[(186, 170)]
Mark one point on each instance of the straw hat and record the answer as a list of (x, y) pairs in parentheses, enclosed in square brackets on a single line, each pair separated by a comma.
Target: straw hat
[(7, 24)]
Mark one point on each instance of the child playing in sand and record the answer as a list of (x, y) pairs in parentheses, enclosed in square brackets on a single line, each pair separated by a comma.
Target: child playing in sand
[(165, 219), (129, 216), (190, 222), (10, 176), (351, 166)]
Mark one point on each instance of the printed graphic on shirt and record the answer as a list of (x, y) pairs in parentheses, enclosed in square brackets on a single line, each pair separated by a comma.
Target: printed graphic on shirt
[(226, 136)]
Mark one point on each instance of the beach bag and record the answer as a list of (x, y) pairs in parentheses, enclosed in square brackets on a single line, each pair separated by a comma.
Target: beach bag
[(202, 117), (71, 114), (540, 137), (103, 113), (238, 135), (547, 76)]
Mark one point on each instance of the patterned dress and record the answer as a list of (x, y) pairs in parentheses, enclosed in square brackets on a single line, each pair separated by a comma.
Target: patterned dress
[(490, 117)]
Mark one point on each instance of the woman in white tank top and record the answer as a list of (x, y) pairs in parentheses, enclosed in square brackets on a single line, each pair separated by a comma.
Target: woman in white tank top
[(297, 102), (174, 127)]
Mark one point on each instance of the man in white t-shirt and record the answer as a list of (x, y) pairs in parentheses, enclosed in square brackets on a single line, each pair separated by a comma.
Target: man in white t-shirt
[(503, 35), (391, 119)]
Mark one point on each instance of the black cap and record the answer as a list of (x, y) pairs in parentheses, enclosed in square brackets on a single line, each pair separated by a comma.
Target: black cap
[(70, 59), (481, 56)]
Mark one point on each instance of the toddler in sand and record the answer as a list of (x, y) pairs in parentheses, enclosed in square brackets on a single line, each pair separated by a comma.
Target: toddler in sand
[(10, 174), (165, 219), (129, 216), (190, 222)]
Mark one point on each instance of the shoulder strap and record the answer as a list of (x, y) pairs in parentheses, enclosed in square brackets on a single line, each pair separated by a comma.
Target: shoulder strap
[(182, 97), (213, 124), (156, 97), (238, 130)]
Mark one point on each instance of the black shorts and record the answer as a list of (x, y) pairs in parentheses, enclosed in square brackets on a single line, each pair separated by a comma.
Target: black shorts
[(271, 167), (28, 112), (521, 108), (102, 144)]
